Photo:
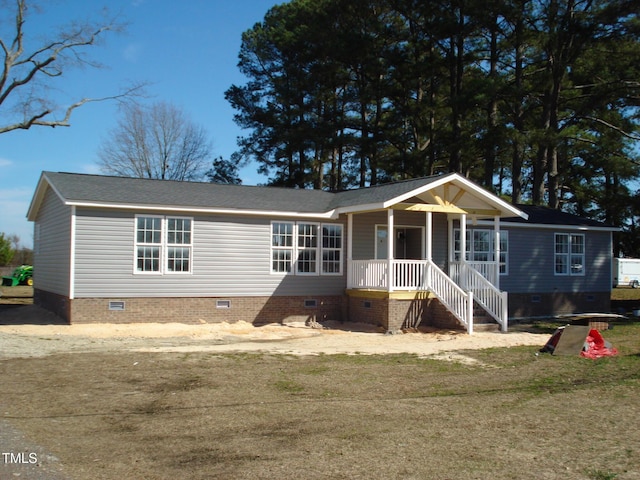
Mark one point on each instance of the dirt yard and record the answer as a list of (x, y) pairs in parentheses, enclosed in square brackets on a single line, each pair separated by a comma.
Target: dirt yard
[(234, 401)]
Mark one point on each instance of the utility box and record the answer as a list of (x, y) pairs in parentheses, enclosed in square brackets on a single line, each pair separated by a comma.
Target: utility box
[(626, 272)]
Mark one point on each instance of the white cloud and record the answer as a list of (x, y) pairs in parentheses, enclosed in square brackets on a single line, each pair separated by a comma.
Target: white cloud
[(5, 163)]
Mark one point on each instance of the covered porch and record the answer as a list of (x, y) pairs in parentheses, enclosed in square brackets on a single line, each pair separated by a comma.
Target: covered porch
[(417, 240)]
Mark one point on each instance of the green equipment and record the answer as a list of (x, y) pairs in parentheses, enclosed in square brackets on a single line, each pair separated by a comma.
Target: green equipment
[(21, 276)]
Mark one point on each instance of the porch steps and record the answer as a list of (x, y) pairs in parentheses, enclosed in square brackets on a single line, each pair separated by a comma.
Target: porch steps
[(482, 321)]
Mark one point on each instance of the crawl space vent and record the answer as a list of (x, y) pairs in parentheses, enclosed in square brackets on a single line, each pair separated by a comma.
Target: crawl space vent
[(116, 306)]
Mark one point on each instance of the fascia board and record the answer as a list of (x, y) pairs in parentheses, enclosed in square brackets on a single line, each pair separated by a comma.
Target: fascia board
[(332, 214), (367, 207), (452, 178), (549, 226), (38, 196), (489, 197), (418, 191)]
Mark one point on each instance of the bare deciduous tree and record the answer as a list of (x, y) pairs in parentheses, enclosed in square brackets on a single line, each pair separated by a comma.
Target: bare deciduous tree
[(29, 66), (155, 142)]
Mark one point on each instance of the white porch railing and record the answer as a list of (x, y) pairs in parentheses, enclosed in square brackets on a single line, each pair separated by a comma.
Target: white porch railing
[(486, 269), (485, 293), (414, 275)]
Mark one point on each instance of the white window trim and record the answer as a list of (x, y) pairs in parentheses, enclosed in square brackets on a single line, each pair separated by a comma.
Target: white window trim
[(291, 249), (164, 245), (295, 249), (298, 249), (504, 236), (331, 249), (570, 254)]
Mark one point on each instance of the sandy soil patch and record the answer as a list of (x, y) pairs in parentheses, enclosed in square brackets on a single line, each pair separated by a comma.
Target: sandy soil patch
[(26, 331)]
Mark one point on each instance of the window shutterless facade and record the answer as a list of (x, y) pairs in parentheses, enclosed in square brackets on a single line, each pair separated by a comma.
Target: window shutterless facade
[(569, 254), (163, 244), (306, 248)]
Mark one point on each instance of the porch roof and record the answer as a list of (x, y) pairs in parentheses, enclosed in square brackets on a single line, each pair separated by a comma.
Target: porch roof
[(451, 193)]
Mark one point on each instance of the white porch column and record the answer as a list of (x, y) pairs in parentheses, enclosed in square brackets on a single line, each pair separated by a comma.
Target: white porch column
[(390, 250), (463, 237), (463, 251), (428, 250), (349, 250), (429, 236), (496, 250)]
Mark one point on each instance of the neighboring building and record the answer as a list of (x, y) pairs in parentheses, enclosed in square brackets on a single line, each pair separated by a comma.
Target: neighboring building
[(113, 249)]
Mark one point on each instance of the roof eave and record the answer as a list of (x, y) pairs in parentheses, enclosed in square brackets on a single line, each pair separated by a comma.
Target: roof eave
[(509, 210), (331, 214), (41, 189)]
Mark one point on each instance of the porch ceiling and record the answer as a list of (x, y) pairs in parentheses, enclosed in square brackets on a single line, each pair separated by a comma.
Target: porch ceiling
[(427, 207)]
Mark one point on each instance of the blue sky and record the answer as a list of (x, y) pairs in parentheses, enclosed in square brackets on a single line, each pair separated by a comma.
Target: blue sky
[(187, 50)]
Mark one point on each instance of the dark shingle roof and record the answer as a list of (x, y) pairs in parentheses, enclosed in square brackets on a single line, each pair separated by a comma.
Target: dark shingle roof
[(145, 192), (101, 189), (125, 191), (548, 216), (379, 193)]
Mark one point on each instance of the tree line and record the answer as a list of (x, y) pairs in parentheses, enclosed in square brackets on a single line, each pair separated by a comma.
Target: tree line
[(536, 100)]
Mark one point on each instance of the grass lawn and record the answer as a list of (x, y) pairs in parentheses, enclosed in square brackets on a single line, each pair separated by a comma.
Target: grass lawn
[(516, 414)]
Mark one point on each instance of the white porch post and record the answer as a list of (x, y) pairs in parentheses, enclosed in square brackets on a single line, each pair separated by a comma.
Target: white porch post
[(349, 250), (429, 235), (463, 250), (428, 249), (451, 241), (390, 250), (496, 252)]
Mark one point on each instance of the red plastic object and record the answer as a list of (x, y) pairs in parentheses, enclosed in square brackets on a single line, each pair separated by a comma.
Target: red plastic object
[(596, 347)]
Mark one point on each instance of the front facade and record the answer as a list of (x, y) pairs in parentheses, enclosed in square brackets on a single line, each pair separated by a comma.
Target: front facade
[(111, 249)]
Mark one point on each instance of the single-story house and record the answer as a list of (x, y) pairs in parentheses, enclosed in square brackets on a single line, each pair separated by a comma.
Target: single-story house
[(113, 249)]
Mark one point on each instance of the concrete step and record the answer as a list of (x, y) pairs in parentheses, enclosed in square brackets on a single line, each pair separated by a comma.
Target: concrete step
[(486, 327)]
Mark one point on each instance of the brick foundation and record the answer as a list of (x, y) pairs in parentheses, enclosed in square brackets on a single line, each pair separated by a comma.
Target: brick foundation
[(523, 305), (58, 304), (391, 312), (399, 311), (256, 310)]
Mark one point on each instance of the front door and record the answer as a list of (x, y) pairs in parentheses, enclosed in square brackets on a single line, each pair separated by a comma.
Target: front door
[(408, 243)]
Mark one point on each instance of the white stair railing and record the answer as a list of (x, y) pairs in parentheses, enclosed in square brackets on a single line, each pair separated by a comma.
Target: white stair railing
[(485, 293), (459, 302)]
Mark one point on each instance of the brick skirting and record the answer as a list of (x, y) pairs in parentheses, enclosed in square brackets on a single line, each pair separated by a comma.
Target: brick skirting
[(194, 310), (399, 311), (525, 305)]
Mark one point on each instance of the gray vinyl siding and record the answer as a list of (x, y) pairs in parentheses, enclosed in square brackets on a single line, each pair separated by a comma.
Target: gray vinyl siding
[(231, 257), (531, 262), (364, 235), (52, 247)]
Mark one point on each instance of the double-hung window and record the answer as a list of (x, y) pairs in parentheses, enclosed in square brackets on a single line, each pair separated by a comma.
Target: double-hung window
[(163, 244), (305, 248), (307, 258), (331, 249), (281, 246), (480, 245), (569, 254)]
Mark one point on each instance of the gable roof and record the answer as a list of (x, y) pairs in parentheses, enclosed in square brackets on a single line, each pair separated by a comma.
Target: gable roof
[(164, 195)]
